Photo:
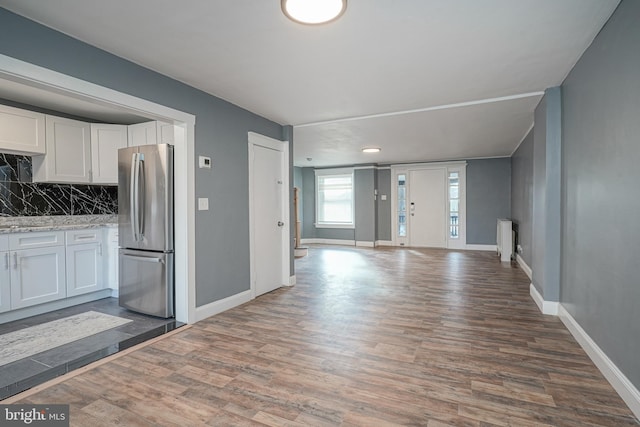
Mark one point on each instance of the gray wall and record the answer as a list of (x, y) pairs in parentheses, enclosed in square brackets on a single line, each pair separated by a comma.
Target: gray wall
[(308, 203), (522, 194), (384, 206), (222, 238), (600, 203), (488, 198), (539, 196), (365, 205)]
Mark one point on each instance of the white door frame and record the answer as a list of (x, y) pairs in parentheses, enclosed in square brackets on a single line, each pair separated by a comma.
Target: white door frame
[(460, 167), (256, 139), (52, 81)]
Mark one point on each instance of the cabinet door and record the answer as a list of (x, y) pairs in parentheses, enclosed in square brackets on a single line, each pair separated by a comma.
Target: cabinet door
[(106, 140), (5, 287), (37, 276), (112, 259), (68, 157), (142, 134), (166, 134), (21, 131), (84, 269)]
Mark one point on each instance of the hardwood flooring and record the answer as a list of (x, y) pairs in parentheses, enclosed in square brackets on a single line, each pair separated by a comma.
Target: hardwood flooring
[(367, 337)]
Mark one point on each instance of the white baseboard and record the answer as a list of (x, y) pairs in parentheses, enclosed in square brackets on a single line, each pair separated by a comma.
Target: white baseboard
[(115, 293), (523, 265), (546, 307), (481, 247), (328, 242), (365, 244), (384, 243), (292, 280), (627, 391), (225, 304)]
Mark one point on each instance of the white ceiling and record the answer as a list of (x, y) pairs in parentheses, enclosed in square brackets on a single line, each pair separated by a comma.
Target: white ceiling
[(422, 79)]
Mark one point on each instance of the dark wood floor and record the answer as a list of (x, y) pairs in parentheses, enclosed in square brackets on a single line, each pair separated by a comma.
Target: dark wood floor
[(369, 338)]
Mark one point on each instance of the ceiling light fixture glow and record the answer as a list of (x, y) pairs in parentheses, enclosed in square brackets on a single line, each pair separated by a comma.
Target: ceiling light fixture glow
[(371, 150), (313, 11)]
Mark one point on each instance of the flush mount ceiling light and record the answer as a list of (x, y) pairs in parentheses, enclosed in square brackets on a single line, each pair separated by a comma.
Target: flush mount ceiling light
[(313, 11), (371, 150)]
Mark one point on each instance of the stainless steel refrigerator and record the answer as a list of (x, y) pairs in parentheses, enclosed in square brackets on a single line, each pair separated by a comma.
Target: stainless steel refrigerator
[(145, 235)]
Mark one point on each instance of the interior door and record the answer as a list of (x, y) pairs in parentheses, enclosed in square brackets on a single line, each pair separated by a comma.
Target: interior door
[(427, 208), (268, 218)]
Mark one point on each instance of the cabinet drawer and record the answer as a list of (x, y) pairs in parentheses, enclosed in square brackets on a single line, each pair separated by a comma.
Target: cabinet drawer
[(4, 243), (38, 239), (79, 237)]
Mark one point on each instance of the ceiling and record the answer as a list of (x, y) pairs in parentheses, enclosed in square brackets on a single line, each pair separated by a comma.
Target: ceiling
[(424, 80)]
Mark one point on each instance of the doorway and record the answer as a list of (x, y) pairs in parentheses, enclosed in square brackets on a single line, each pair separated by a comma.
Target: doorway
[(269, 213)]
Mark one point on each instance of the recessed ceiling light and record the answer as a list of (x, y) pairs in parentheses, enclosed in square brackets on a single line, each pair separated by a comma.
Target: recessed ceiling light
[(371, 150), (313, 11)]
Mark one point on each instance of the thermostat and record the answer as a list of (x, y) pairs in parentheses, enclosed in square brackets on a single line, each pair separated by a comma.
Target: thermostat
[(204, 162)]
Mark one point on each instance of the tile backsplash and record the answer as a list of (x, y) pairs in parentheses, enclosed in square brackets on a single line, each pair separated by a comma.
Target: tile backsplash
[(19, 196)]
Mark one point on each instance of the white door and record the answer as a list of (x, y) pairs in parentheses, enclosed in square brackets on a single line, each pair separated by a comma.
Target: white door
[(427, 208), (269, 215)]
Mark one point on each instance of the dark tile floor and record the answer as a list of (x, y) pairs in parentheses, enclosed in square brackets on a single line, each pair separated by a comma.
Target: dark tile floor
[(23, 374)]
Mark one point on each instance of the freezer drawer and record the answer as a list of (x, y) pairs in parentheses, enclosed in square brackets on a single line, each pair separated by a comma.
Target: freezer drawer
[(146, 282)]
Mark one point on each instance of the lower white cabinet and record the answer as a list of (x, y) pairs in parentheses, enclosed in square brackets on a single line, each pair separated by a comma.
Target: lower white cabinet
[(84, 261), (37, 276), (112, 259), (5, 269)]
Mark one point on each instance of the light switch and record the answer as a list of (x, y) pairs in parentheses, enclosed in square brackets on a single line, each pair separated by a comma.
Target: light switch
[(383, 197), (204, 162), (203, 204)]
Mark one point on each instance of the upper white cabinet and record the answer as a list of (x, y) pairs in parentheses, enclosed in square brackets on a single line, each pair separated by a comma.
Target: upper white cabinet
[(21, 131), (68, 157), (149, 133), (106, 140)]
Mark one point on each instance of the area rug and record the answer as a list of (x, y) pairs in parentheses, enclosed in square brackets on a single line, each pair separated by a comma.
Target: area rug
[(36, 339)]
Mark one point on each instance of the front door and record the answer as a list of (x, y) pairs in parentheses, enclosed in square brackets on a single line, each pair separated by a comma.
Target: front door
[(427, 208), (268, 216)]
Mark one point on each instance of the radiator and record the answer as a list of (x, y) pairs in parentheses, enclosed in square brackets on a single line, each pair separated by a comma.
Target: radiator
[(504, 240)]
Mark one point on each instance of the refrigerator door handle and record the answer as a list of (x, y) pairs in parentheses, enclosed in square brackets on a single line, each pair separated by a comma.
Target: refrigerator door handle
[(144, 258), (133, 196), (142, 196)]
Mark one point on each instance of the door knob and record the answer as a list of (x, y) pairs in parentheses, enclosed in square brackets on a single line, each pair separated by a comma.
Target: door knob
[(280, 223)]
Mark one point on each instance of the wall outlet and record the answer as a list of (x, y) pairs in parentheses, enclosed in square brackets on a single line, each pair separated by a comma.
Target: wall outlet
[(203, 204)]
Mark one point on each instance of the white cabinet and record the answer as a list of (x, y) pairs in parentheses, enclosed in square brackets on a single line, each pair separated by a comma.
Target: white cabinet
[(37, 267), (68, 157), (149, 133), (5, 269), (106, 140), (21, 131), (112, 259), (84, 261)]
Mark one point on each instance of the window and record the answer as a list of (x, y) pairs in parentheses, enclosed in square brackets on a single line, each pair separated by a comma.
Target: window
[(402, 205), (334, 198), (454, 205)]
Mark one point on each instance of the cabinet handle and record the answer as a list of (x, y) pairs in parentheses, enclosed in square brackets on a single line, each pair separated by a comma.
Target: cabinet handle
[(15, 260), (100, 249), (6, 261)]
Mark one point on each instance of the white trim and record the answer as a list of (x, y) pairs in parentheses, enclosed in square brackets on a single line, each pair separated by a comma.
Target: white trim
[(472, 247), (545, 307), (428, 165), (523, 265), (328, 242), (384, 243), (365, 244), (224, 304), (334, 225), (292, 280), (255, 139), (43, 78), (421, 110), (365, 167), (627, 391)]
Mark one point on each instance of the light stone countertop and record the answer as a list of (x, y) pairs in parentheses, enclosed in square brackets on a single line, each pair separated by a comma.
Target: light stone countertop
[(25, 224)]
